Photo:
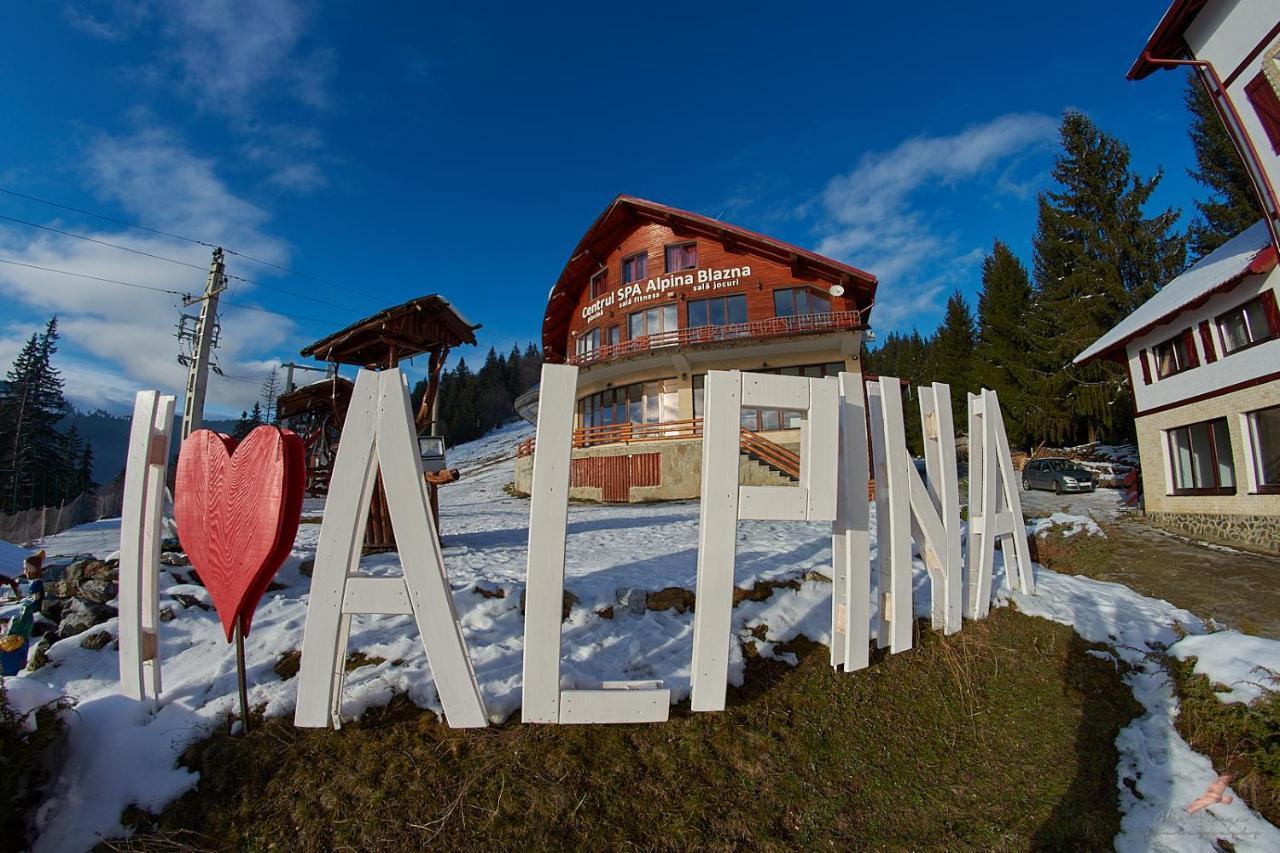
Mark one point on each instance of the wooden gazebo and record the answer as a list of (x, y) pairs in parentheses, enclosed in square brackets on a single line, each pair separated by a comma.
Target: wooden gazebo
[(429, 326), (317, 412)]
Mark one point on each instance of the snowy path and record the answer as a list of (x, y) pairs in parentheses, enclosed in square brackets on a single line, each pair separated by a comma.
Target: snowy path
[(122, 752)]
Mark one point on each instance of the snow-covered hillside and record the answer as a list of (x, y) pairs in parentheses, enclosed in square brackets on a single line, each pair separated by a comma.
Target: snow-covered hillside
[(123, 752)]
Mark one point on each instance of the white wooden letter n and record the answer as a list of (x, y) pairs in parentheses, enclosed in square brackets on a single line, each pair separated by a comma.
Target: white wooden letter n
[(143, 505), (379, 435), (543, 701), (995, 508), (724, 501)]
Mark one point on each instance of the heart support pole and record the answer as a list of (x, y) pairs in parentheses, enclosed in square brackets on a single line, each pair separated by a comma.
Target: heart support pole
[(240, 678)]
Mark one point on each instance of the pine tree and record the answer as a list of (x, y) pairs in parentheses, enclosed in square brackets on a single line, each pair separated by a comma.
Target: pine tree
[(1232, 205), (84, 471), (952, 354), (1000, 355), (32, 403), (1097, 257)]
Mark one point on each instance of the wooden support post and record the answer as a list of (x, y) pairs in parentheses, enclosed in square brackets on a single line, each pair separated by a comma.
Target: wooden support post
[(140, 535), (892, 475), (850, 538)]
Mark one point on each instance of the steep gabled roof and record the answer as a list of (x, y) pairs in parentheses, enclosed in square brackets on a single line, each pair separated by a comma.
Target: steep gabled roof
[(625, 212), (1166, 41), (1248, 253), (412, 328)]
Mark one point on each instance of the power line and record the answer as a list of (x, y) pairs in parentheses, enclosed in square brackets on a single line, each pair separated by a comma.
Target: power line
[(159, 290), (109, 244), (170, 234), (93, 277)]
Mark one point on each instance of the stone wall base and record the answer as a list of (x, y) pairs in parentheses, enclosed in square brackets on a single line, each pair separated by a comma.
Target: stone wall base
[(1254, 532)]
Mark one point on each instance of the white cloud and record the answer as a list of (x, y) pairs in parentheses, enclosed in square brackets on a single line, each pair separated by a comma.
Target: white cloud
[(871, 219), (232, 57), (119, 339)]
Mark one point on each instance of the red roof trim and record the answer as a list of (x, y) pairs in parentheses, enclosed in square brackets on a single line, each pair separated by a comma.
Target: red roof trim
[(1263, 262), (560, 302), (1167, 41)]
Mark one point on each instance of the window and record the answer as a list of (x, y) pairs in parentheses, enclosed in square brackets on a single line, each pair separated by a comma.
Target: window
[(1266, 103), (1200, 459), (1264, 440), (1247, 325), (633, 268), (639, 403), (655, 321), (588, 341), (1175, 355), (721, 311), (798, 301), (757, 420), (682, 256), (599, 284)]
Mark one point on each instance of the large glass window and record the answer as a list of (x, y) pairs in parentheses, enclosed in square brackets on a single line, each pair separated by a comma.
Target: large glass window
[(633, 268), (1200, 458), (682, 256), (588, 341), (1175, 355), (654, 321), (798, 301), (721, 311), (653, 402), (1264, 439), (1245, 325), (767, 419)]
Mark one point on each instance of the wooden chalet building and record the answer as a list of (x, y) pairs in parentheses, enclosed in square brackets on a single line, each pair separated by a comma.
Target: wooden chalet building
[(651, 299)]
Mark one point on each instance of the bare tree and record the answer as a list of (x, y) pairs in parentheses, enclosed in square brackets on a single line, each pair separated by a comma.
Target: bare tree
[(270, 391)]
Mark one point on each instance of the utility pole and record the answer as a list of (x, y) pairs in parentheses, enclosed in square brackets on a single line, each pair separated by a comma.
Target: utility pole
[(198, 367)]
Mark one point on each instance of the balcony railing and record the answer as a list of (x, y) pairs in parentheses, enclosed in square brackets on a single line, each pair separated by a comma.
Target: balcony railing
[(773, 327), (626, 434)]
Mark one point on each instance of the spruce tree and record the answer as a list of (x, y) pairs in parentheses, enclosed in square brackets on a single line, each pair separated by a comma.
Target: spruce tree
[(1232, 204), (1004, 341), (1098, 256), (951, 354), (31, 448)]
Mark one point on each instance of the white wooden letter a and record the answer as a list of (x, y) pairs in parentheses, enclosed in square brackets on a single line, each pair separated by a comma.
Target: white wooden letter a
[(379, 434)]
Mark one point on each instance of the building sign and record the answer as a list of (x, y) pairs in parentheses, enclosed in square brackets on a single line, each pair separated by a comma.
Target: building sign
[(636, 293)]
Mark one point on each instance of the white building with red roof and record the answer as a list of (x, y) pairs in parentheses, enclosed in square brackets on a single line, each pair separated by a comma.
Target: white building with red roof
[(1204, 352)]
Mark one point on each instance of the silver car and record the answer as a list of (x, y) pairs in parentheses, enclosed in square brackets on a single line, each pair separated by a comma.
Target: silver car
[(1058, 475)]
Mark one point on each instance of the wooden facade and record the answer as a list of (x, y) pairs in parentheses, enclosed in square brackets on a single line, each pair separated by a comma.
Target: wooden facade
[(631, 227)]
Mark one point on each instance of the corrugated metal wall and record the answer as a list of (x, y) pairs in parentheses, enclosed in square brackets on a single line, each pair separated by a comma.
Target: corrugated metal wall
[(615, 475)]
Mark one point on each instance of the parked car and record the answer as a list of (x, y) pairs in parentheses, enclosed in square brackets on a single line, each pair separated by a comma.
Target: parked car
[(1058, 475)]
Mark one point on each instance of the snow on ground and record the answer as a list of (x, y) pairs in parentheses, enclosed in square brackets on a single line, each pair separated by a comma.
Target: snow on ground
[(1247, 666), (1073, 524), (122, 752)]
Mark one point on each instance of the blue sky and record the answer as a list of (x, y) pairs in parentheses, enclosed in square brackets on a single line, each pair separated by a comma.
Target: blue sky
[(396, 149)]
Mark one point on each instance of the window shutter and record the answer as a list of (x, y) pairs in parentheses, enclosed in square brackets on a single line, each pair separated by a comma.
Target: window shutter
[(1146, 367), (1267, 105), (1193, 357), (1206, 338), (1273, 313)]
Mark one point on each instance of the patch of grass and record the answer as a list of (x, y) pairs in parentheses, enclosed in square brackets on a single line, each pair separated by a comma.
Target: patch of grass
[(27, 763), (1243, 740), (1000, 737), (1076, 554)]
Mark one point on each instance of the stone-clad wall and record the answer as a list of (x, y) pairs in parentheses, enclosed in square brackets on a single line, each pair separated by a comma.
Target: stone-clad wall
[(1257, 532)]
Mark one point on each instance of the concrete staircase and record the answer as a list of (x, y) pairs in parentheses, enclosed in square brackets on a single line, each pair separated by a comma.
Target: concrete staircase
[(752, 472)]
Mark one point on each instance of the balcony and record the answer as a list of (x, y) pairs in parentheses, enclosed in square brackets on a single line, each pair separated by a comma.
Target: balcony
[(773, 327)]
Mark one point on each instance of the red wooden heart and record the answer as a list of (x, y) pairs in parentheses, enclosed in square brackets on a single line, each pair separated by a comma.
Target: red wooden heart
[(237, 509)]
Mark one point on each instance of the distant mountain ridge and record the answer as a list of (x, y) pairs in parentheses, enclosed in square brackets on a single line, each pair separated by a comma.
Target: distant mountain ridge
[(109, 435)]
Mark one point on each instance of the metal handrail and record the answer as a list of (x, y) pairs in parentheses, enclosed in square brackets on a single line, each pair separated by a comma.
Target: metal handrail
[(772, 327)]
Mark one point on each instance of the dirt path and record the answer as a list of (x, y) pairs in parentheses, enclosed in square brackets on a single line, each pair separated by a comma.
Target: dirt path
[(1237, 588)]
